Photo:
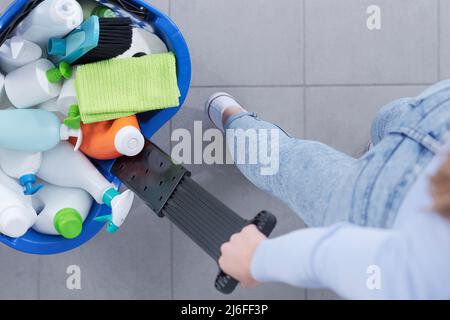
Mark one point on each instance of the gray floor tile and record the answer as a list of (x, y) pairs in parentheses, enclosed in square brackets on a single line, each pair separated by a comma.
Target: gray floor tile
[(313, 294), (194, 272), (444, 36), (233, 42), (19, 278), (162, 137), (342, 116), (340, 49)]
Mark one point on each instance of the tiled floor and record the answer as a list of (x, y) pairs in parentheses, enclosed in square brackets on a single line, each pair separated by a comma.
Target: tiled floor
[(311, 66)]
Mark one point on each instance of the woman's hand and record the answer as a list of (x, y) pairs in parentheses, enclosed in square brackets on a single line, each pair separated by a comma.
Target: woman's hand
[(237, 255)]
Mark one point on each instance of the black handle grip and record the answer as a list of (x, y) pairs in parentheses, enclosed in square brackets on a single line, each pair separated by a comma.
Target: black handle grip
[(265, 222)]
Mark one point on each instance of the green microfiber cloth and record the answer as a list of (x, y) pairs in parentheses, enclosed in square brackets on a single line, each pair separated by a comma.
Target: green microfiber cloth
[(117, 88)]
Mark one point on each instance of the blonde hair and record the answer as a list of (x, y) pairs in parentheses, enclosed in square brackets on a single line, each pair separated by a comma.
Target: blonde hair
[(440, 189)]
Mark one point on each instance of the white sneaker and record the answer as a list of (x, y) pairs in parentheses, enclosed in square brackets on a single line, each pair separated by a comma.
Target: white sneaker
[(217, 104)]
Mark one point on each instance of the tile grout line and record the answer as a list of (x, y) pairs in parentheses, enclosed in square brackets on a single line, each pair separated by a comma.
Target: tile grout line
[(330, 85), (304, 72), (171, 240), (304, 91), (39, 279), (439, 39)]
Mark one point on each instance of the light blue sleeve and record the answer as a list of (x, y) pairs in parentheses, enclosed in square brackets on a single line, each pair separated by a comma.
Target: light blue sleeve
[(355, 262)]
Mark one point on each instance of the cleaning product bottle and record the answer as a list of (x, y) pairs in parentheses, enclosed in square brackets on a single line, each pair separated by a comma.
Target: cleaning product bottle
[(33, 130), (4, 101), (96, 39), (88, 7), (62, 211), (2, 91), (17, 52), (103, 12), (112, 139), (16, 213), (49, 105), (35, 83), (68, 96), (143, 43), (64, 167), (51, 18), (23, 166)]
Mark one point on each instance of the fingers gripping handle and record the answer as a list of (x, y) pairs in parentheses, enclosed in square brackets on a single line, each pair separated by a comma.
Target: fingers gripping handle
[(265, 222)]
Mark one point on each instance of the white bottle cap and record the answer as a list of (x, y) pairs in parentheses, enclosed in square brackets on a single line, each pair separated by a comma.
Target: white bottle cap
[(129, 141), (67, 132), (14, 222), (67, 12)]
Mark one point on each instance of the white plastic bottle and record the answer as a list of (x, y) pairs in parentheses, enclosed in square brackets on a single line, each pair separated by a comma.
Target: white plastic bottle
[(4, 101), (2, 91), (17, 52), (51, 18), (62, 211), (64, 167), (50, 105), (68, 96), (23, 166), (144, 43), (33, 130), (29, 85), (16, 213)]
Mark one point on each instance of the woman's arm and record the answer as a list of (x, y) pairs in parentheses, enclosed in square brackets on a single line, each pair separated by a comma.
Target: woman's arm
[(358, 263)]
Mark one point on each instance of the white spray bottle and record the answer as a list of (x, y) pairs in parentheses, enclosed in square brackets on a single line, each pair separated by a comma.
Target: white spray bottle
[(35, 83), (16, 213), (62, 211), (64, 167), (23, 166), (17, 52), (33, 130), (68, 96), (3, 96), (51, 18)]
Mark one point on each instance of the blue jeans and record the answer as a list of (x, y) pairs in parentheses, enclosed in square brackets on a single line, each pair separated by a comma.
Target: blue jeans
[(324, 186)]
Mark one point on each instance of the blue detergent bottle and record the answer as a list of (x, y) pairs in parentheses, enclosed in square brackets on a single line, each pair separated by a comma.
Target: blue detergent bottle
[(33, 130)]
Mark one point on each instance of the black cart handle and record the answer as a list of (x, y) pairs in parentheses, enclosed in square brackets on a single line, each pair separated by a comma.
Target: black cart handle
[(265, 222)]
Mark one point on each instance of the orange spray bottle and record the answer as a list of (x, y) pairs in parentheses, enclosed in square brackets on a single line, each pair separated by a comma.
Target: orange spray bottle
[(112, 139)]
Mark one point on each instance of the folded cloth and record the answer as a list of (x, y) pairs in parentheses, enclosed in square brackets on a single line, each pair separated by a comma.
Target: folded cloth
[(117, 88)]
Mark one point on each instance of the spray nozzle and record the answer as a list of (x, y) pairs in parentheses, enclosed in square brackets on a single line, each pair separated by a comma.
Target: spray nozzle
[(73, 119), (66, 132), (57, 47), (16, 45), (55, 75), (120, 205), (28, 183)]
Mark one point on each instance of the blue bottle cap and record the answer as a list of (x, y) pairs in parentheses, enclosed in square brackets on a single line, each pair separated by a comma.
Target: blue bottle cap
[(27, 181)]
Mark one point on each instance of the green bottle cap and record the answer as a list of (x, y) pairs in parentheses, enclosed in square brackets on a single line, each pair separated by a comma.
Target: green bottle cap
[(68, 223), (66, 70), (103, 12), (73, 119), (54, 75)]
